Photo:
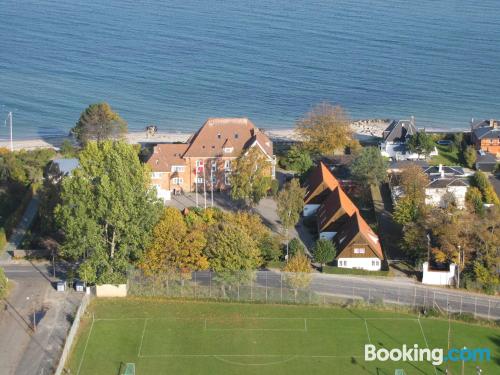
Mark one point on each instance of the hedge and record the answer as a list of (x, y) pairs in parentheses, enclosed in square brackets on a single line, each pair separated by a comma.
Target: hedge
[(352, 271)]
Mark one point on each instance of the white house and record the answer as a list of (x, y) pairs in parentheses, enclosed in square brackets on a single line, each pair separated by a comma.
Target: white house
[(394, 140), (438, 277), (446, 183)]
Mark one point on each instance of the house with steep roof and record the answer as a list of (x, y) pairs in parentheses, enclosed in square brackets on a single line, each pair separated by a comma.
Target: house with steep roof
[(333, 213), (338, 219), (204, 162), (318, 186), (485, 134), (395, 137), (358, 246)]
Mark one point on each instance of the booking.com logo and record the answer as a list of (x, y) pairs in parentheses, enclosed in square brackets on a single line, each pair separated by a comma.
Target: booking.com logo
[(435, 356)]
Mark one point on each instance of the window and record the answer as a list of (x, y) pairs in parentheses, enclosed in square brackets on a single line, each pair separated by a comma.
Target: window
[(227, 179), (375, 263), (199, 163), (157, 174), (177, 180), (343, 263), (236, 135), (214, 166), (359, 250), (228, 150), (227, 165), (177, 168), (214, 179), (199, 180), (218, 135)]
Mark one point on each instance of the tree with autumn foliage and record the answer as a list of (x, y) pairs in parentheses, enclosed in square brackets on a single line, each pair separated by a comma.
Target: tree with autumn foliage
[(175, 247), (325, 130), (298, 272), (251, 177)]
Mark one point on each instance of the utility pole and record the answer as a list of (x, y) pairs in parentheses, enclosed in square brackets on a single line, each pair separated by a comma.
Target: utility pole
[(458, 269)]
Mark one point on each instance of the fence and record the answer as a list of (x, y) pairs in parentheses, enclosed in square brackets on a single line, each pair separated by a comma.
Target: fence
[(280, 287), (72, 333)]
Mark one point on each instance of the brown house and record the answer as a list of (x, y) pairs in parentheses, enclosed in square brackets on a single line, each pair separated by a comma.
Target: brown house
[(334, 212), (318, 186), (486, 136), (204, 162)]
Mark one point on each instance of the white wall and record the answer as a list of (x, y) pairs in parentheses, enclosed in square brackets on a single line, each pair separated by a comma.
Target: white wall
[(163, 194), (363, 263), (434, 197), (438, 277), (310, 209)]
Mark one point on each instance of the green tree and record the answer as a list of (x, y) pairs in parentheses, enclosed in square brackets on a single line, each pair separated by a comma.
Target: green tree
[(474, 199), (68, 150), (251, 177), (270, 247), (370, 166), (297, 159), (3, 283), (324, 251), (290, 203), (295, 247), (406, 211), (298, 272), (470, 156), (107, 210), (420, 143), (231, 252), (98, 123), (325, 129), (480, 180)]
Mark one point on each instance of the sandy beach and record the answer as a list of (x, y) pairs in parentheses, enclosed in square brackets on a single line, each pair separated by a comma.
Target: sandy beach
[(363, 129)]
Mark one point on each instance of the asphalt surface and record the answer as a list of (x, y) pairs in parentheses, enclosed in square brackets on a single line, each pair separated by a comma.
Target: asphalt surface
[(23, 349)]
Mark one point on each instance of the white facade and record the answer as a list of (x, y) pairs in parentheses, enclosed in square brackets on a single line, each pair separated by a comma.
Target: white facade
[(369, 264), (431, 277), (310, 209), (436, 196), (163, 194), (392, 150)]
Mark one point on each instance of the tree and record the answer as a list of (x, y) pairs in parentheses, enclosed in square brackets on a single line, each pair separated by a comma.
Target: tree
[(298, 272), (470, 156), (3, 283), (406, 211), (98, 123), (324, 251), (290, 203), (295, 247), (370, 166), (107, 210), (420, 143), (415, 242), (67, 149), (480, 180), (231, 252), (270, 247), (251, 178), (297, 159), (175, 247), (413, 181), (474, 200), (325, 129)]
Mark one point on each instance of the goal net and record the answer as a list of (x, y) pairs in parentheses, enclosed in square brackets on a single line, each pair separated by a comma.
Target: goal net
[(128, 369)]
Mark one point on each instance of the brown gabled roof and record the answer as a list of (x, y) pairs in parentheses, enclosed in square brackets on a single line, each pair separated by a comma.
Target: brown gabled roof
[(241, 133), (320, 179), (335, 206), (357, 225), (165, 155)]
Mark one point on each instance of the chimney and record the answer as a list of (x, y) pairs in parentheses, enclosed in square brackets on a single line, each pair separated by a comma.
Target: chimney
[(494, 124)]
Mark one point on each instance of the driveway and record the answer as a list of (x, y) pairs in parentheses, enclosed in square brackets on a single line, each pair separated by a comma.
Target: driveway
[(33, 297)]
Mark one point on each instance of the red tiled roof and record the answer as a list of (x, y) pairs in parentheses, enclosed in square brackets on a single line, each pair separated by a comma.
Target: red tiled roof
[(336, 200), (357, 225), (321, 175), (165, 155), (209, 140)]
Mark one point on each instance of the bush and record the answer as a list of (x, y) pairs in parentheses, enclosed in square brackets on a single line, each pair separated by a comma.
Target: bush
[(270, 248), (295, 247), (275, 185), (3, 284), (297, 159), (351, 271), (3, 239)]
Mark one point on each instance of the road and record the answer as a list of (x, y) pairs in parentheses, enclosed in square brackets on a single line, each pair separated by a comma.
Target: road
[(33, 297)]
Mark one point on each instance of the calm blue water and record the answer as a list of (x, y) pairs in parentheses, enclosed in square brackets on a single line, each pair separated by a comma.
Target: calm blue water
[(175, 63)]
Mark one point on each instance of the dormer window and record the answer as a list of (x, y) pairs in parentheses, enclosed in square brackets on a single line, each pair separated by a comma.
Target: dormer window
[(228, 150), (236, 135), (218, 136)]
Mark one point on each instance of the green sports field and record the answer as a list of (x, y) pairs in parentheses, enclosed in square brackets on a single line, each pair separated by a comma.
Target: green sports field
[(173, 337)]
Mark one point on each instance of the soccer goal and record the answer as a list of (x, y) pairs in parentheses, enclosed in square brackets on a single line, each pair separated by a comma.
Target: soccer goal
[(127, 369)]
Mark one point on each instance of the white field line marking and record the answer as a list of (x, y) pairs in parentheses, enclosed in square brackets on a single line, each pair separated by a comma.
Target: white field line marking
[(250, 355), (263, 318), (85, 348), (368, 332), (142, 337), (258, 329), (426, 343)]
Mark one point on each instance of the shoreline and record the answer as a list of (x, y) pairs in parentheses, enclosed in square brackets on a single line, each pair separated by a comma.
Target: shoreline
[(364, 130)]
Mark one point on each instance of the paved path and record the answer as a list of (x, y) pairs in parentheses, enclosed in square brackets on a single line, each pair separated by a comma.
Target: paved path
[(23, 351), (19, 232)]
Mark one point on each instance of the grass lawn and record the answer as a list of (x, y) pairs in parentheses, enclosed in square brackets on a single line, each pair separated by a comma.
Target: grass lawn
[(447, 156), (178, 337)]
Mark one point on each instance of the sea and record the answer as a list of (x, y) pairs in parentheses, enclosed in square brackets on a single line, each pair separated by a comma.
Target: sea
[(175, 63)]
